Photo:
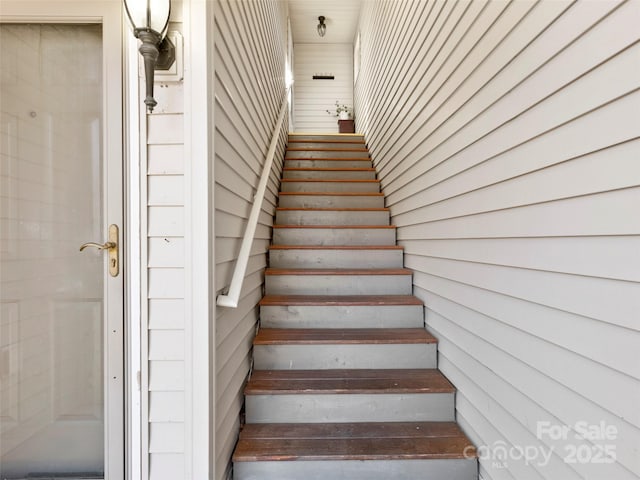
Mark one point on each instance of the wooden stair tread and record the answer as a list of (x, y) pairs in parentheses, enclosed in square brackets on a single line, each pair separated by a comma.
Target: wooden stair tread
[(332, 226), (351, 430), (325, 180), (329, 209), (338, 271), (249, 450), (336, 247), (329, 169), (336, 194), (335, 140), (352, 441), (333, 159), (325, 134), (347, 381), (302, 149), (339, 300), (339, 336)]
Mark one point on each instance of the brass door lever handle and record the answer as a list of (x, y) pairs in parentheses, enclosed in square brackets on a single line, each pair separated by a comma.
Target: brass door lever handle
[(104, 246), (111, 246)]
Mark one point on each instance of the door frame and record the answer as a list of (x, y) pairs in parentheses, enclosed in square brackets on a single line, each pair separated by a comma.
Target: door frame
[(109, 14)]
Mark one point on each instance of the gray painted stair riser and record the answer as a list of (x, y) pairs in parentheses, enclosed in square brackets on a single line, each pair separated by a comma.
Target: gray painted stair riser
[(330, 201), (329, 174), (310, 163), (332, 356), (432, 469), (338, 285), (346, 407), (368, 187), (332, 217), (333, 316), (329, 258), (325, 154), (334, 236)]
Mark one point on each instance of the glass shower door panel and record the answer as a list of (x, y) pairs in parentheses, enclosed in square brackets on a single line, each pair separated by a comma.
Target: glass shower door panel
[(51, 295)]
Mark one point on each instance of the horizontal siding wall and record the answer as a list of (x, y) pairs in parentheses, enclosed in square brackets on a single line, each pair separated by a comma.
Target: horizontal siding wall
[(250, 42), (314, 97), (166, 290), (506, 136), (164, 259)]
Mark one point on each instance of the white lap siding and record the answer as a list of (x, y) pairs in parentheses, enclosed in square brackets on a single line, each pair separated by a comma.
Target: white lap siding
[(250, 41), (506, 138), (313, 97), (165, 265)]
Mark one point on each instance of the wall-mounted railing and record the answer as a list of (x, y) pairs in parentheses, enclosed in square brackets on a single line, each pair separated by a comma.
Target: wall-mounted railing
[(233, 295)]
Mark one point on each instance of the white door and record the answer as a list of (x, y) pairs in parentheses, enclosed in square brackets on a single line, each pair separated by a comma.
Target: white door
[(61, 318)]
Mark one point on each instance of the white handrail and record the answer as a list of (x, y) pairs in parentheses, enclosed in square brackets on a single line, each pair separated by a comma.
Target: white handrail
[(232, 297)]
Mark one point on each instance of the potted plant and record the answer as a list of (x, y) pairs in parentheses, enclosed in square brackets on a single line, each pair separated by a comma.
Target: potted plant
[(343, 112), (345, 117)]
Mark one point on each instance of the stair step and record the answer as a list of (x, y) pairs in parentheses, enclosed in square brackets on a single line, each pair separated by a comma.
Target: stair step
[(334, 234), (295, 138), (370, 348), (332, 216), (331, 200), (338, 281), (297, 153), (321, 185), (348, 381), (354, 451), (327, 163), (348, 395), (357, 441), (326, 145), (354, 336), (339, 256), (341, 311), (329, 173)]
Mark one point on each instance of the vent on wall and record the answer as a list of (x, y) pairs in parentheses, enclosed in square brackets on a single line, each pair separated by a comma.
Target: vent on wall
[(323, 76)]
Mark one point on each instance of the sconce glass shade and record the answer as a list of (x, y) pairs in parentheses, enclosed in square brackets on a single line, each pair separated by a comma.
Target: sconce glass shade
[(150, 20), (322, 27), (149, 15)]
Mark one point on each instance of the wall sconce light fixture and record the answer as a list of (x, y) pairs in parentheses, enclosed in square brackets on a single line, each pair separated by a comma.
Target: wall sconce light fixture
[(322, 27), (150, 19)]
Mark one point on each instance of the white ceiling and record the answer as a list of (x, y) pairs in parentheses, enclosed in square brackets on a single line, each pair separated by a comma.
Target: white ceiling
[(341, 18)]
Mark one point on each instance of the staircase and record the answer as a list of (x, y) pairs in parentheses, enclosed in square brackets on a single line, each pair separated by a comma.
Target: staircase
[(345, 384)]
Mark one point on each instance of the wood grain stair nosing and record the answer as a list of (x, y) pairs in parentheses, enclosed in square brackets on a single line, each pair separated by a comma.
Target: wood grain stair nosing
[(338, 271), (348, 382), (332, 159), (335, 336), (336, 247), (387, 227), (355, 140), (312, 450), (351, 430), (328, 180), (301, 149), (335, 194), (353, 441), (333, 209), (329, 169)]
